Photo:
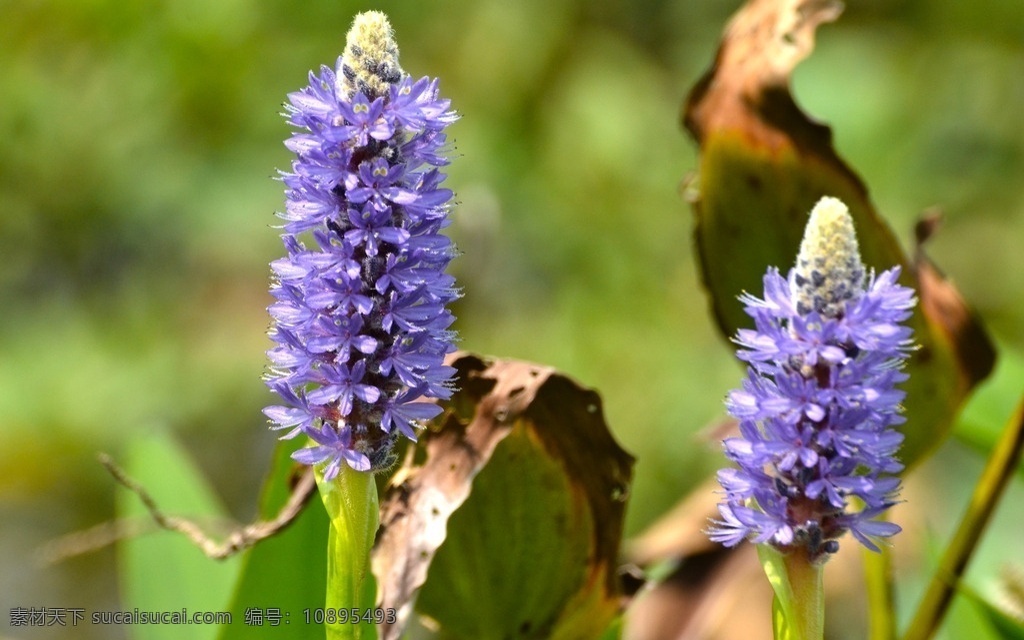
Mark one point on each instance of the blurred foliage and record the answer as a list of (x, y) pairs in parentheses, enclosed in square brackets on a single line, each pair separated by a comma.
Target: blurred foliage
[(140, 139), (162, 570), (286, 571)]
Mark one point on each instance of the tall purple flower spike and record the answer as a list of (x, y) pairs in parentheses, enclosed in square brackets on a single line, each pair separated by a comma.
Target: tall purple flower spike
[(817, 409), (360, 318)]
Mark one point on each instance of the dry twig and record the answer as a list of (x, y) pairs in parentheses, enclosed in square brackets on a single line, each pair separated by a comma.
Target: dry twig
[(238, 540)]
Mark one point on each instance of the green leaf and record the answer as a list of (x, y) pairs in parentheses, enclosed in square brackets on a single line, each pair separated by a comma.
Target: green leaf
[(520, 490), (285, 571), (507, 553), (351, 502), (1008, 627), (763, 166), (164, 571), (614, 630)]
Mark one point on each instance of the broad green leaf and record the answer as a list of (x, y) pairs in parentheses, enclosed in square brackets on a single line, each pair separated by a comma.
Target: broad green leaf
[(163, 571), (351, 502), (519, 489), (285, 572), (764, 164), (506, 554)]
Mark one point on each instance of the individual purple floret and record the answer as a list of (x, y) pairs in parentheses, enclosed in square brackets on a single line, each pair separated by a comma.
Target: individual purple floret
[(817, 409), (360, 318)]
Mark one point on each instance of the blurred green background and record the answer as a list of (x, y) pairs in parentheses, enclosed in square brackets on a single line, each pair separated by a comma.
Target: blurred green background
[(138, 146)]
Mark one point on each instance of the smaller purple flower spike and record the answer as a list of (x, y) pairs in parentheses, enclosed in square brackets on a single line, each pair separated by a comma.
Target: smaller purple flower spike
[(816, 453), (360, 318)]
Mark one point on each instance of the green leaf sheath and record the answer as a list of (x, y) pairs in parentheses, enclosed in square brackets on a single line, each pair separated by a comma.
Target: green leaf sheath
[(351, 502), (798, 611)]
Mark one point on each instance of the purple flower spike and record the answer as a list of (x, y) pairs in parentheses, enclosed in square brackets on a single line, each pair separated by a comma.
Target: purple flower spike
[(360, 318), (817, 409)]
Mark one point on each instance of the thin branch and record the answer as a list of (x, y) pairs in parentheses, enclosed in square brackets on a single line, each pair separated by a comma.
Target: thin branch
[(238, 541), (92, 539)]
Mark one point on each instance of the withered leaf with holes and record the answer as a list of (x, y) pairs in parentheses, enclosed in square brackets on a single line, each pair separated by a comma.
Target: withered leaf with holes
[(506, 517)]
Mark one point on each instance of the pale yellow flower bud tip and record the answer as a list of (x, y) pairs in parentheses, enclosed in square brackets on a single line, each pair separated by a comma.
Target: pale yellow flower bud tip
[(370, 62), (829, 270)]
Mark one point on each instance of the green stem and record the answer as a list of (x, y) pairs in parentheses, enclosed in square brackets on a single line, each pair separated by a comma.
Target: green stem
[(351, 502), (999, 469), (805, 577), (881, 610), (798, 610)]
